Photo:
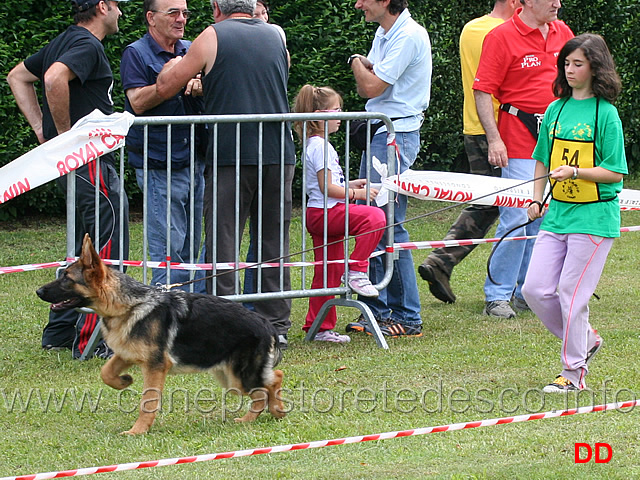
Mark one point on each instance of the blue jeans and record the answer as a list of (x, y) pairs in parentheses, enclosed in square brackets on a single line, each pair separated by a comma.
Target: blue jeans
[(400, 300), (181, 235), (510, 262)]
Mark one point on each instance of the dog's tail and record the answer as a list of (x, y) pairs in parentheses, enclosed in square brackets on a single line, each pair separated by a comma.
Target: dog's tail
[(276, 352)]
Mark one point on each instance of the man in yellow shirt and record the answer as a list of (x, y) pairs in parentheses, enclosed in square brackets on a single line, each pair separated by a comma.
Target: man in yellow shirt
[(475, 220)]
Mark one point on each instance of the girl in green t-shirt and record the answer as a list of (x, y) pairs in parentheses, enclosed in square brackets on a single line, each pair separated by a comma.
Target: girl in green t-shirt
[(581, 149)]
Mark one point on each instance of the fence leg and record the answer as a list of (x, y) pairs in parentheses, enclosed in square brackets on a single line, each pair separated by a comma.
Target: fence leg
[(347, 302), (95, 338)]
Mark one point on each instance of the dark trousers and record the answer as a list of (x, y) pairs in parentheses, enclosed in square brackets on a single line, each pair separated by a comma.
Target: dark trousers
[(228, 235), (70, 328), (475, 220)]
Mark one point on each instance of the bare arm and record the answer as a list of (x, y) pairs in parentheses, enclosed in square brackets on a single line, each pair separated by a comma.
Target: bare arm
[(368, 84), (595, 174), (356, 188), (497, 149), (535, 211), (565, 172), (21, 81), (56, 88), (178, 71), (143, 98)]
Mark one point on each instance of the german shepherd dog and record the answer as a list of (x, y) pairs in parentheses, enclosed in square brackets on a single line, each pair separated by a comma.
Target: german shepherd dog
[(172, 332)]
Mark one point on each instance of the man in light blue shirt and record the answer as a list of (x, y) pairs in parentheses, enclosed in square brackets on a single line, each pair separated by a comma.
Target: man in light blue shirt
[(396, 79)]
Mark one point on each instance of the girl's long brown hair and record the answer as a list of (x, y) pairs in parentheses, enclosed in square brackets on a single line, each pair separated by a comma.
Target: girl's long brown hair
[(605, 83)]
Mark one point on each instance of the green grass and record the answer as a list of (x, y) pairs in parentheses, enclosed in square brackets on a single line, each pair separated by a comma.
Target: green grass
[(467, 367)]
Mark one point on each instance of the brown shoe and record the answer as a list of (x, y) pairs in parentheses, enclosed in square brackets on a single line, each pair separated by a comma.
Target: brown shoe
[(438, 282)]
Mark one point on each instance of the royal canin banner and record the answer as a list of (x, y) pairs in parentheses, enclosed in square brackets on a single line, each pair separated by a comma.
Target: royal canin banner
[(477, 189), (91, 137)]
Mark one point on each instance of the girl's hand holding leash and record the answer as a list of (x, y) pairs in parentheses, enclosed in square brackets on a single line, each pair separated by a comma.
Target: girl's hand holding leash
[(536, 207), (535, 210), (564, 172)]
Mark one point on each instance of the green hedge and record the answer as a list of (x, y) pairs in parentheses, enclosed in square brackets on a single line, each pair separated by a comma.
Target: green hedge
[(321, 36)]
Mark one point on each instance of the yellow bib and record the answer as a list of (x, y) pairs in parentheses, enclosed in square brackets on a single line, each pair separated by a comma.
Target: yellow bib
[(579, 154)]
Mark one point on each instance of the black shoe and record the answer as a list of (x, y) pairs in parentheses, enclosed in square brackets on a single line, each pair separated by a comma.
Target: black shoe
[(360, 324), (438, 282), (54, 348), (395, 329), (103, 351), (357, 326), (283, 342)]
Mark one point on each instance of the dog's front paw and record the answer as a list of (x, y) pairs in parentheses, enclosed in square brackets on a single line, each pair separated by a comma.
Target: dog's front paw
[(277, 411), (119, 383), (111, 373), (125, 381), (134, 431), (250, 416), (142, 425)]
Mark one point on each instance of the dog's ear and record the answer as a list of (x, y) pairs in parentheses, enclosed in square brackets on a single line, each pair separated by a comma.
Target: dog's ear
[(89, 257), (88, 252)]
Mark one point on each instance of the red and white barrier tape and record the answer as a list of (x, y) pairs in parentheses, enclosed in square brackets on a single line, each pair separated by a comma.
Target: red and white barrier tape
[(477, 189), (243, 265), (453, 243), (173, 266), (327, 443), (221, 265), (34, 266)]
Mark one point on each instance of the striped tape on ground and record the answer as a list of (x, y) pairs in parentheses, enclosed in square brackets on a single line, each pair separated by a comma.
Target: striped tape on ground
[(327, 443)]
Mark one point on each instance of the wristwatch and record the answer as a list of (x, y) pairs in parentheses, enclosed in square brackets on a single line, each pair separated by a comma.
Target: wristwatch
[(352, 58)]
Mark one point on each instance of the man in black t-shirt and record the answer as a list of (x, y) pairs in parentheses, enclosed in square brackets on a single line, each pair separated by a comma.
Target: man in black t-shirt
[(76, 79)]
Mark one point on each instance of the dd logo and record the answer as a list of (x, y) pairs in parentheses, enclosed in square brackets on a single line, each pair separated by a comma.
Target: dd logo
[(579, 447)]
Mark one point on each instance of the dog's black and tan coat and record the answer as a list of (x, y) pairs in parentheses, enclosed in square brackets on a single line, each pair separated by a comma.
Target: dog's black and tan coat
[(172, 332)]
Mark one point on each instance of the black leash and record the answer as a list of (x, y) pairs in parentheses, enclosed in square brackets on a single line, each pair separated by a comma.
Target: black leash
[(541, 205), (347, 238)]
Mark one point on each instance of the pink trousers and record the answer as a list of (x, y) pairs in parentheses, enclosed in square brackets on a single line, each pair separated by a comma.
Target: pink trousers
[(362, 219), (563, 274)]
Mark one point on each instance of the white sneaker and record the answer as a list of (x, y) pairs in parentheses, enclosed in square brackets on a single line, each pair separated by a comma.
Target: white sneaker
[(331, 336), (359, 282), (499, 308)]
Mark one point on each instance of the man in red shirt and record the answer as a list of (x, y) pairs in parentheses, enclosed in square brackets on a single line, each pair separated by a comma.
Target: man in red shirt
[(517, 66), (475, 220)]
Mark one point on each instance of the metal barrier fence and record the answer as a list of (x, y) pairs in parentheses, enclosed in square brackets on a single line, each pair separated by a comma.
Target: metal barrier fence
[(234, 266)]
